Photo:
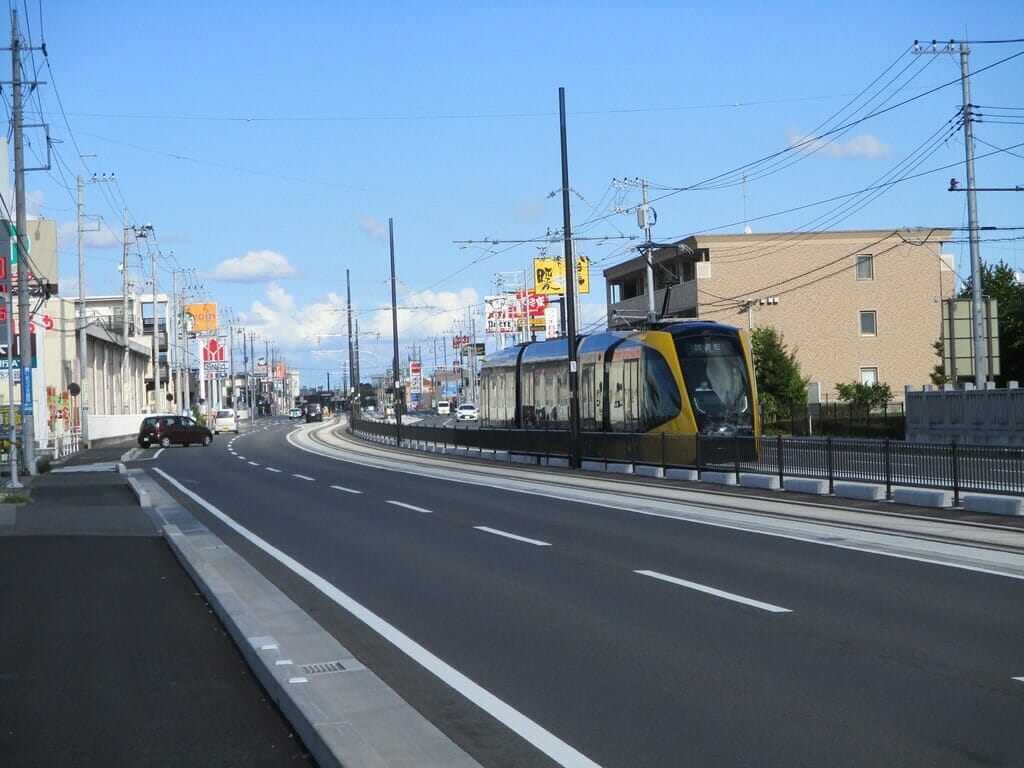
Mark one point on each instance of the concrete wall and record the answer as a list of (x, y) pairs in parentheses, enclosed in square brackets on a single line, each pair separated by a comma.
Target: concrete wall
[(977, 416), (113, 426)]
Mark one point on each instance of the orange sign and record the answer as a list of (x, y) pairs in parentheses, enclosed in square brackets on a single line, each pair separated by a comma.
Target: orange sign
[(201, 318)]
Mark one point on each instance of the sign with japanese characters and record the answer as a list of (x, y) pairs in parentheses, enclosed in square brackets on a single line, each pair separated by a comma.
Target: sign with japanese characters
[(549, 276)]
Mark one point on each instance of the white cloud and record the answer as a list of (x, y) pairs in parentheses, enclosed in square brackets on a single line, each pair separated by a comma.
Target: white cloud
[(104, 237), (254, 267), (314, 337), (863, 146), (373, 228), (529, 211)]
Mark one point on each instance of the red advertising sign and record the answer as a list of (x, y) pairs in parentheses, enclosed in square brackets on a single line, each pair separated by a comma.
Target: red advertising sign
[(214, 351)]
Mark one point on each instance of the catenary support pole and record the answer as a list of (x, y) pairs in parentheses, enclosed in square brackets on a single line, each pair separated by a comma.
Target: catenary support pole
[(570, 296)]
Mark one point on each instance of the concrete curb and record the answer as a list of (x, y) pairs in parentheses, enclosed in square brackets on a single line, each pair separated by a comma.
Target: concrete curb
[(345, 714)]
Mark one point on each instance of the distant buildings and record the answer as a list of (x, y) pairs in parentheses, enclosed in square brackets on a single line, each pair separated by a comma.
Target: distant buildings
[(854, 306)]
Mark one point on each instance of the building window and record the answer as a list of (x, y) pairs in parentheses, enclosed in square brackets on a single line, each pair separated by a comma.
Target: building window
[(868, 323), (865, 267), (868, 376)]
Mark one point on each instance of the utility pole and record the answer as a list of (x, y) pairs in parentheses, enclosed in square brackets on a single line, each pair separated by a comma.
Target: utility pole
[(156, 339), (28, 429), (124, 303), (644, 220), (359, 398), (977, 307), (977, 304), (396, 376), (137, 232), (570, 295), (351, 349)]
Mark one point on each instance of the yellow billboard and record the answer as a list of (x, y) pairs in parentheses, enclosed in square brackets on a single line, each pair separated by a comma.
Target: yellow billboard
[(549, 275), (201, 318)]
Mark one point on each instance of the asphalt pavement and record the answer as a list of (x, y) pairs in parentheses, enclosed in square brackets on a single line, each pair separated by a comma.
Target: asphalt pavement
[(109, 653)]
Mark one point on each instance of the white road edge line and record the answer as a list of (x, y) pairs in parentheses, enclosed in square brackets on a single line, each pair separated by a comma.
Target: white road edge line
[(409, 506), (562, 753), (507, 535), (304, 477), (716, 592), (343, 488), (272, 469)]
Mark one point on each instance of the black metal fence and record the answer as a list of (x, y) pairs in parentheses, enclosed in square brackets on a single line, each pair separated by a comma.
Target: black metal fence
[(837, 420), (949, 466)]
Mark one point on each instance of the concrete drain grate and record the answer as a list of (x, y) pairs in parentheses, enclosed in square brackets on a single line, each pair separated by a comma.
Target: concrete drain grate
[(322, 668)]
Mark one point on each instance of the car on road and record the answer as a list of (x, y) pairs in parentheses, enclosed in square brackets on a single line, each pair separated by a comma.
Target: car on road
[(467, 412), (225, 420), (295, 413), (170, 429), (314, 413), (444, 408)]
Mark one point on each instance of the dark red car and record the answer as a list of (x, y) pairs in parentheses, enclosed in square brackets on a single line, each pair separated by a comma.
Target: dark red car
[(168, 430)]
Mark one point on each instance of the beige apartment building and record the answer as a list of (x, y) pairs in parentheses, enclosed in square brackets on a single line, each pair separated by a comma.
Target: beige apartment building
[(854, 306)]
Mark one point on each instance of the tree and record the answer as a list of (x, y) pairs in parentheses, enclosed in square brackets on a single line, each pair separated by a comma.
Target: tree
[(866, 396), (938, 374), (1000, 282), (780, 386)]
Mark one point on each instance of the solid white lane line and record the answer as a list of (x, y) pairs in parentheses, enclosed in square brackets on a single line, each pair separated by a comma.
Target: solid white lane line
[(716, 592), (346, 490), (161, 450), (304, 477), (562, 753), (271, 469), (507, 535), (409, 506), (254, 463)]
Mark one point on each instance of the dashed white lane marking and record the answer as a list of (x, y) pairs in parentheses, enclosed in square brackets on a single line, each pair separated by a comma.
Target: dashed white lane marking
[(716, 592), (562, 753), (304, 477), (242, 458), (346, 490), (507, 535), (254, 463), (410, 506), (271, 469), (1019, 679)]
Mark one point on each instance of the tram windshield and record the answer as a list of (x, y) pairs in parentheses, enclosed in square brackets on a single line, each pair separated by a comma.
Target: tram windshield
[(718, 382)]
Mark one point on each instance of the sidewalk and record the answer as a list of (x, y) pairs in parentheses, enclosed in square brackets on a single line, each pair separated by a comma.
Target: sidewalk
[(109, 655)]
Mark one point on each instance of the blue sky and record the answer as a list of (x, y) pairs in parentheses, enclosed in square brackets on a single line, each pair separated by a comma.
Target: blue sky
[(269, 142)]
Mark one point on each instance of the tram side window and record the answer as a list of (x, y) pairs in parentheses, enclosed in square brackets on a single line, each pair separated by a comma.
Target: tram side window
[(616, 401), (631, 380), (662, 399), (624, 393), (529, 416), (587, 409)]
